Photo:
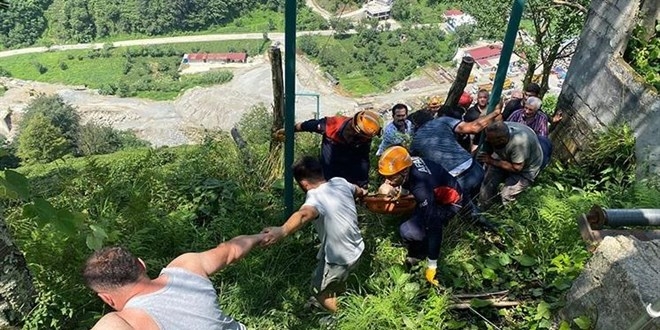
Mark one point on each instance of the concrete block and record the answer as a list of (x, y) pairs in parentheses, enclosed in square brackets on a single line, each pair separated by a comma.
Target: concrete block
[(618, 282)]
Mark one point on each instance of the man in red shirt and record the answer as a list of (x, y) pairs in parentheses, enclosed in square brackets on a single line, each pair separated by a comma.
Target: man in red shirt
[(346, 144)]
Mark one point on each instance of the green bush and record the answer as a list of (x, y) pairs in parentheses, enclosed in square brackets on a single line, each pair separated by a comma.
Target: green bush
[(4, 72), (40, 141), (62, 115), (643, 54), (40, 67)]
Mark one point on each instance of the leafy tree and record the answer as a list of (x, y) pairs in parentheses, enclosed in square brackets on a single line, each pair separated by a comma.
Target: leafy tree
[(491, 17), (557, 26), (41, 141), (96, 139), (401, 10), (464, 35), (61, 115), (308, 45), (23, 22), (340, 25)]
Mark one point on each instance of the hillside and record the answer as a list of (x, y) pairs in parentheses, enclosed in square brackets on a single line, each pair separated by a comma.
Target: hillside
[(162, 202)]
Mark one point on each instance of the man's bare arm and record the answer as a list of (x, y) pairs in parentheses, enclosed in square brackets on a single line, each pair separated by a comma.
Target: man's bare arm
[(503, 164), (296, 221), (112, 321), (210, 261), (359, 192), (480, 123)]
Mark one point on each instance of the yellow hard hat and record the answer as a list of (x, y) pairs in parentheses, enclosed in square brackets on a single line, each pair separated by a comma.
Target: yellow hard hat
[(394, 160), (435, 102), (367, 123)]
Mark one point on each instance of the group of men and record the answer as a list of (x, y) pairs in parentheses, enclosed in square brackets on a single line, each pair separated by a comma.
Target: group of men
[(431, 155)]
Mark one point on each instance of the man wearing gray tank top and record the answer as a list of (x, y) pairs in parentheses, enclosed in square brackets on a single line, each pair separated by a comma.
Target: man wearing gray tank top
[(182, 297)]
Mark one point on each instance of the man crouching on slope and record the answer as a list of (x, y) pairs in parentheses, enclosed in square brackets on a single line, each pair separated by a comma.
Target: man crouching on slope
[(331, 204), (182, 297)]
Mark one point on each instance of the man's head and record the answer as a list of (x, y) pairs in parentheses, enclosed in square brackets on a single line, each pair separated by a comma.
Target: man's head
[(434, 104), (517, 94), (363, 126), (110, 269), (532, 89), (482, 98), (497, 134), (419, 118), (455, 112), (465, 100), (308, 172), (394, 165), (399, 114), (532, 106)]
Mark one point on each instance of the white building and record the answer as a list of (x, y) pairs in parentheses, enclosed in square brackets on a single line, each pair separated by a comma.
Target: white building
[(455, 18), (380, 9)]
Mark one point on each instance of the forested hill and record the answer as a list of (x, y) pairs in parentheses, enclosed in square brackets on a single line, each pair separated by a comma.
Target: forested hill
[(25, 22)]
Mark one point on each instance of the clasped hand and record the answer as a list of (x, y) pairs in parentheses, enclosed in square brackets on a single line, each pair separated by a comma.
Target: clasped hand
[(272, 235)]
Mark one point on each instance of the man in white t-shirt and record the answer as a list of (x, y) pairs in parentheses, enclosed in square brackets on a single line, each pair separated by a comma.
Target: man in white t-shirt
[(331, 204)]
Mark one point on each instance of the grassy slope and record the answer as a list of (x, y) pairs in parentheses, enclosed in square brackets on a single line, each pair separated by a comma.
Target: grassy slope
[(164, 202)]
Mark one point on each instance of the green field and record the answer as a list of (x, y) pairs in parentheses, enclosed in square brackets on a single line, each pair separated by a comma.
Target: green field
[(87, 67), (372, 62)]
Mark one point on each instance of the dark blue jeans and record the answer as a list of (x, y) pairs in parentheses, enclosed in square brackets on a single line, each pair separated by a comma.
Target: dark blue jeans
[(546, 147), (471, 179)]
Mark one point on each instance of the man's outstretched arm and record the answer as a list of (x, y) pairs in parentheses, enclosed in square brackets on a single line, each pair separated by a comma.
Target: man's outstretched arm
[(210, 261), (480, 123), (296, 221)]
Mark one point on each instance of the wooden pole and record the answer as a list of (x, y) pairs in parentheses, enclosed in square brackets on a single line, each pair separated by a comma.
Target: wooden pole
[(460, 82), (278, 95)]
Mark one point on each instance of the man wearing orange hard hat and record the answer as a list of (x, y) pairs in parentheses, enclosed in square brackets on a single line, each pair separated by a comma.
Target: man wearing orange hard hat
[(439, 198), (346, 144)]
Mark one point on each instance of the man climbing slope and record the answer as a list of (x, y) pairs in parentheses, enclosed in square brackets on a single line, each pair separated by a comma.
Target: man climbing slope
[(346, 144)]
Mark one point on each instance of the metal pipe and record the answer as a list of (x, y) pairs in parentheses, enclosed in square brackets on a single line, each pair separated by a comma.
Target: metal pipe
[(318, 108), (289, 100), (505, 56), (595, 236), (599, 217), (652, 312)]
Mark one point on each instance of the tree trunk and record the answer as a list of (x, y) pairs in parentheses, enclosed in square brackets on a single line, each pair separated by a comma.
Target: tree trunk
[(17, 293), (529, 74), (545, 76)]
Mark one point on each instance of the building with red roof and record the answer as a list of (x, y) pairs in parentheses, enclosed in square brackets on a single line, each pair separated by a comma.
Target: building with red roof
[(486, 57), (453, 12), (214, 58)]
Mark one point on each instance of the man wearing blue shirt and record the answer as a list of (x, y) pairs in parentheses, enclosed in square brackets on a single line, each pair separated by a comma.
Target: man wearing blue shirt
[(398, 131)]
